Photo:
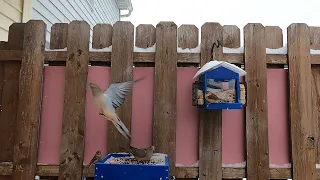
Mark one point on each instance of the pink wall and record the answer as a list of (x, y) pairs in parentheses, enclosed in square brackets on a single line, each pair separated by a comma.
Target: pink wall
[(233, 126)]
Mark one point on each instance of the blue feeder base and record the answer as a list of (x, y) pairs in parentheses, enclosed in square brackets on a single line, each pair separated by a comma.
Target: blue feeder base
[(213, 106), (104, 171)]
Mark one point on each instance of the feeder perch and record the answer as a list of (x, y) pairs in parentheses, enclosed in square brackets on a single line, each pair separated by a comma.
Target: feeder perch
[(219, 86), (121, 166)]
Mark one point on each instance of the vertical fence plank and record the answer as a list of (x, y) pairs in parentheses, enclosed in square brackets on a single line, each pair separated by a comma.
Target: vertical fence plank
[(210, 125), (273, 40), (9, 94), (59, 33), (29, 106), (231, 39), (188, 36), (303, 139), (257, 107), (315, 44), (273, 37), (58, 39), (145, 36), (121, 70), (165, 91), (102, 36), (73, 125), (231, 36)]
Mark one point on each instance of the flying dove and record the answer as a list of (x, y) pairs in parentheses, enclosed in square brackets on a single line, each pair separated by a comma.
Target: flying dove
[(111, 99)]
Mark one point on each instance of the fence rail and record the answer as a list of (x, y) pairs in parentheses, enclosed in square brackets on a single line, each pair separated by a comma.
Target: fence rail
[(208, 144)]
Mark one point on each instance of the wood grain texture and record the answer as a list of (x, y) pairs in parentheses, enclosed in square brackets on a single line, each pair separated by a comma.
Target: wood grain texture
[(315, 70), (314, 37), (30, 96), (188, 36), (58, 39), (73, 124), (102, 36), (121, 70), (145, 35), (59, 36), (165, 92), (273, 37), (210, 125), (10, 94), (274, 40), (231, 39), (303, 139), (257, 106), (231, 36)]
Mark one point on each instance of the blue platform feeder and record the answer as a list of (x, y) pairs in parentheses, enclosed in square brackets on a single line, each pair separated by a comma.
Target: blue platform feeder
[(217, 76), (110, 171)]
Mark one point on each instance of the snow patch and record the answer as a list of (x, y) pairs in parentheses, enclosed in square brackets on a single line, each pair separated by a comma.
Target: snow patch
[(187, 50), (149, 49), (235, 165), (318, 166), (215, 64), (280, 166), (238, 50), (314, 51), (282, 50), (106, 49), (192, 165), (64, 49)]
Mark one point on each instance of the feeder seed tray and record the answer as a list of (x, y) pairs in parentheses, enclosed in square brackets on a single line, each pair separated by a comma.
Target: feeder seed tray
[(155, 160)]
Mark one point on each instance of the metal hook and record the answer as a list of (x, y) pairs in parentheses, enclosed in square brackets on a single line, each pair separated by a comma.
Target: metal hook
[(218, 44)]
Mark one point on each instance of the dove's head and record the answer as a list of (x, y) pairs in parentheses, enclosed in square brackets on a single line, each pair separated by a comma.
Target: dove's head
[(152, 148), (93, 85), (94, 88)]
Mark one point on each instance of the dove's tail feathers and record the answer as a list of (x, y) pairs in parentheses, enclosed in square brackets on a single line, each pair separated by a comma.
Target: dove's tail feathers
[(122, 128)]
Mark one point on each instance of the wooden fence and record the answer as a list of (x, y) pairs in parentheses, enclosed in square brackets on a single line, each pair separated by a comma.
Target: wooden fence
[(50, 127)]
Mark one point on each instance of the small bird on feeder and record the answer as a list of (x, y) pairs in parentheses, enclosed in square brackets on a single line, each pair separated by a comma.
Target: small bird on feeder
[(111, 99), (142, 154), (95, 158)]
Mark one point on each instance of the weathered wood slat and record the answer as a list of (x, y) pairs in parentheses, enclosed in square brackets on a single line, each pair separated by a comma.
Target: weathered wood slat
[(121, 70), (73, 124), (257, 107), (188, 36), (29, 107), (231, 36), (231, 39), (210, 123), (165, 92), (102, 36), (315, 44), (58, 40), (10, 93), (303, 138), (140, 57), (145, 36)]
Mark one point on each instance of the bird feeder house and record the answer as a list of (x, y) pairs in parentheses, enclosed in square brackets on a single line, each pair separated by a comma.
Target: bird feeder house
[(122, 166), (219, 86)]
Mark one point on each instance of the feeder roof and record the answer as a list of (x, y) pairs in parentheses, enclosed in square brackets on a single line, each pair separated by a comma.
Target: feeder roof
[(215, 64)]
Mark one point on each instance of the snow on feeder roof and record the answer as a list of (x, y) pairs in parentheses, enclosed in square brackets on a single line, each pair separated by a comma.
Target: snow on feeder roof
[(215, 64)]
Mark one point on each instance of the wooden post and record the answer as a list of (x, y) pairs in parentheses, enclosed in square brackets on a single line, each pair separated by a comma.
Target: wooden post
[(303, 139), (29, 107), (165, 91), (121, 70), (73, 124), (210, 125), (145, 36), (257, 106), (58, 39)]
